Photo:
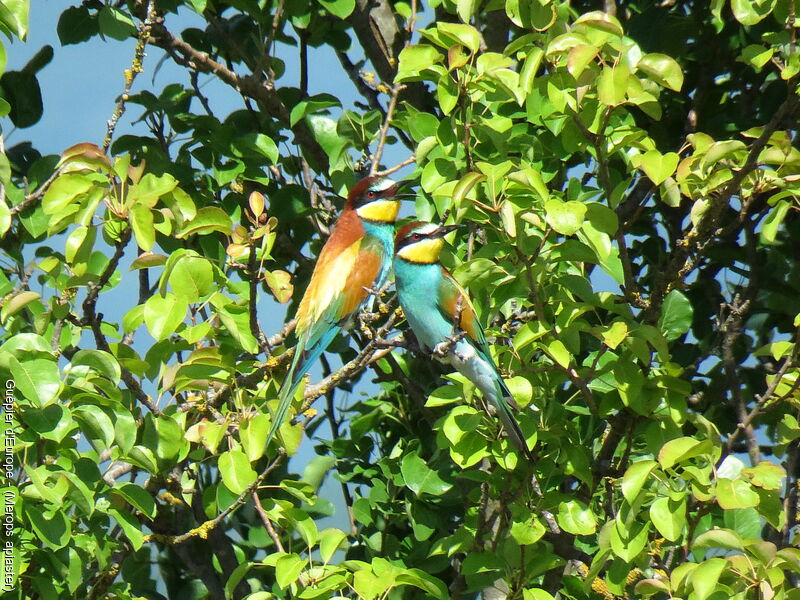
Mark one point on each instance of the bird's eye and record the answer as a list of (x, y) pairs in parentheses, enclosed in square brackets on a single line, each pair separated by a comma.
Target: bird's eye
[(416, 237), (370, 194)]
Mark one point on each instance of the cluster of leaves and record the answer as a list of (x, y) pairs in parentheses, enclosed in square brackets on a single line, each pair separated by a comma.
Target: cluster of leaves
[(629, 179)]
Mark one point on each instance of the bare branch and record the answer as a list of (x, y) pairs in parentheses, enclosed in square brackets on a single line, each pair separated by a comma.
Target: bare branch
[(387, 121), (251, 87), (130, 74)]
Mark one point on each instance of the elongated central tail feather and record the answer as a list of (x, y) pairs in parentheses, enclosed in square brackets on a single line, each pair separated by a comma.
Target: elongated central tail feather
[(301, 363), (502, 401)]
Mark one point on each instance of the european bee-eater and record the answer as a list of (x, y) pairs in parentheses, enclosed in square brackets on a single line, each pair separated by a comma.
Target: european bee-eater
[(433, 301), (356, 259)]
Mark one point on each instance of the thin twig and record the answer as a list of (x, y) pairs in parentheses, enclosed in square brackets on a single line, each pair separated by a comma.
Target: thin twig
[(387, 121), (130, 74), (267, 523), (410, 160), (203, 529)]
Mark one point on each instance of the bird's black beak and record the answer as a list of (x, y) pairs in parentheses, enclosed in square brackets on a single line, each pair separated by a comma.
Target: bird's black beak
[(402, 189)]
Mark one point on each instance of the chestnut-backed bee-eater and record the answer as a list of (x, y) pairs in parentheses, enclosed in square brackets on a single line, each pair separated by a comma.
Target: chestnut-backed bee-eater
[(356, 259), (443, 319)]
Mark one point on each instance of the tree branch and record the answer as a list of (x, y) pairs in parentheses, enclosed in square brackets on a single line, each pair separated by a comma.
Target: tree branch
[(251, 87)]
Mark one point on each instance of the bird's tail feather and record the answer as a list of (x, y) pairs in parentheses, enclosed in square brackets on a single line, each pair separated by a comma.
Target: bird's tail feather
[(303, 358), (502, 405)]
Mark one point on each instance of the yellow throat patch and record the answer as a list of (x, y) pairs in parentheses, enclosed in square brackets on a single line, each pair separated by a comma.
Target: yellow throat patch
[(424, 252), (381, 211)]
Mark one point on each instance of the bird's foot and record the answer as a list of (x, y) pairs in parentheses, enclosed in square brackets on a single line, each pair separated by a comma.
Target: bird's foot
[(365, 320), (442, 349), (377, 292)]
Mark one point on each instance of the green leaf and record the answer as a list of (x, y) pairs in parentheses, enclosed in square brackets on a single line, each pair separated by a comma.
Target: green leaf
[(746, 522), (579, 57), (253, 434), (600, 21), (705, 577), (615, 334), (17, 303), (663, 70), (612, 84), (466, 35), (14, 17), (635, 477), (280, 284), (559, 353), (564, 217), (339, 8), (465, 9), (751, 12), (192, 277), (414, 59), (137, 497), (287, 569), (650, 587), (735, 493), (573, 517), (628, 543), (420, 478), (669, 517), (313, 104), (305, 526), (5, 214), (169, 438), (719, 538), (142, 224), (766, 475), (148, 260), (162, 316), (316, 469), (96, 425), (330, 540), (100, 361), (130, 526), (259, 145), (199, 6), (772, 223), (676, 315), (531, 15), (53, 422), (79, 245), (37, 379), (236, 320), (528, 531), (237, 474), (658, 166), (63, 192), (150, 189), (207, 220), (21, 90), (115, 24), (757, 55), (428, 583), (52, 528), (677, 450), (76, 25)]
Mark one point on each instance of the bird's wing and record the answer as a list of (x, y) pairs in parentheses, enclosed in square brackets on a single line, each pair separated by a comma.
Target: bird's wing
[(454, 302), (453, 298), (337, 287), (336, 290)]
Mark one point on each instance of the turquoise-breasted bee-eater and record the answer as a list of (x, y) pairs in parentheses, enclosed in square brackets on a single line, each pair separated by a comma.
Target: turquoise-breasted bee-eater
[(356, 259), (433, 301)]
